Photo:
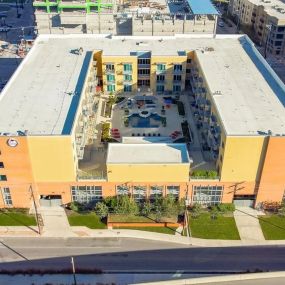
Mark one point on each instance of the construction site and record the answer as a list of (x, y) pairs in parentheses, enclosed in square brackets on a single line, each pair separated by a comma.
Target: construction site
[(125, 17)]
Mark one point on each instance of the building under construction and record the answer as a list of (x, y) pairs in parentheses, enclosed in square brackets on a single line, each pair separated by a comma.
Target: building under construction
[(125, 17)]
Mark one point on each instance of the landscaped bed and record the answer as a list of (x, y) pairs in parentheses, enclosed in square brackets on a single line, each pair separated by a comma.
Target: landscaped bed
[(123, 218), (273, 227), (162, 230), (16, 217), (222, 227), (90, 220)]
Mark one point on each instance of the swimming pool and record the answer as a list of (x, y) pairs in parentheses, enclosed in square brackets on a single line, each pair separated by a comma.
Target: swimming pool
[(152, 121)]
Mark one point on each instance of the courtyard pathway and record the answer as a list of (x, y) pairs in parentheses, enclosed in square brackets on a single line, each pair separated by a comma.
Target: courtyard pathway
[(247, 222)]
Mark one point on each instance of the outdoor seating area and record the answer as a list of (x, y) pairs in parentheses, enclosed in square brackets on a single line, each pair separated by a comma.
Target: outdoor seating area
[(147, 115)]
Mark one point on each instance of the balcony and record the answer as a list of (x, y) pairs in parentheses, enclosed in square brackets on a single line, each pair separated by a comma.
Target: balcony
[(127, 72), (109, 71)]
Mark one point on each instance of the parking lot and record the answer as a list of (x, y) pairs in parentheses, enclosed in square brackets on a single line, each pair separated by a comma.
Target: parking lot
[(15, 23)]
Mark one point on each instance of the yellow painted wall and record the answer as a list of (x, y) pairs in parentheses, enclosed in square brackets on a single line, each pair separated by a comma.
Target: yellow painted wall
[(151, 172), (52, 158), (169, 61), (119, 62), (242, 158)]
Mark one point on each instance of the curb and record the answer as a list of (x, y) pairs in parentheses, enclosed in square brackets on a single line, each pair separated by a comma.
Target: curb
[(215, 279)]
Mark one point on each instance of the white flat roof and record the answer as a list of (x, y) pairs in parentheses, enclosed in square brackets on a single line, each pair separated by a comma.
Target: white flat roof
[(43, 94), (156, 153)]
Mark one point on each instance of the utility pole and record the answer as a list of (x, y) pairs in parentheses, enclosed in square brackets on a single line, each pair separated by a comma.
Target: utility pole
[(36, 209), (73, 271)]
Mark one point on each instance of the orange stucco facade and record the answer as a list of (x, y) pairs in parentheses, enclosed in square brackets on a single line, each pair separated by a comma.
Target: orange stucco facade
[(19, 172)]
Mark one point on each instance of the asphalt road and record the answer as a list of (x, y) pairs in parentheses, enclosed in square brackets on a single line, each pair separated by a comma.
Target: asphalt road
[(133, 255)]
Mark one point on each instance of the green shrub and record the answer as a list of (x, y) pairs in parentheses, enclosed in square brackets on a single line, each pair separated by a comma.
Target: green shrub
[(126, 122), (212, 174), (74, 206), (214, 212), (226, 207), (101, 210)]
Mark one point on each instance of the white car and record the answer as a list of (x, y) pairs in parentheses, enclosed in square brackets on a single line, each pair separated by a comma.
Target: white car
[(221, 24)]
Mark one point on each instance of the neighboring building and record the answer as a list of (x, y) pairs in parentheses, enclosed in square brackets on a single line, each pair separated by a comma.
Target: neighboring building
[(267, 20), (129, 17), (56, 108)]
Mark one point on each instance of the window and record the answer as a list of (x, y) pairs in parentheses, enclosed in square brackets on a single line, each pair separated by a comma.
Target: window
[(3, 178), (127, 88), (207, 195), (279, 36), (176, 88), (110, 77), (189, 60), (160, 88), (139, 193), (173, 190), (123, 190), (160, 78), (144, 61), (144, 71), (111, 88), (281, 29), (278, 43), (1, 164), (177, 67), (128, 67), (188, 70), (128, 77), (144, 82), (177, 77), (160, 67), (155, 191), (86, 194), (7, 196), (223, 145)]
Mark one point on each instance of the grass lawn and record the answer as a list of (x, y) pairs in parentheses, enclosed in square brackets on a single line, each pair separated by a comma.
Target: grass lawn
[(90, 220), (162, 230), (16, 219), (220, 228), (273, 227), (138, 219)]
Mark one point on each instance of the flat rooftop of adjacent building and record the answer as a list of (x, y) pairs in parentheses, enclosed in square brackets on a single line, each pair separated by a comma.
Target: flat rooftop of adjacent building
[(43, 94), (274, 8), (156, 153)]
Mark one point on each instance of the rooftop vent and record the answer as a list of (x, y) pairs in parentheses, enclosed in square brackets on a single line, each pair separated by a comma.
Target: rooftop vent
[(209, 49), (217, 92)]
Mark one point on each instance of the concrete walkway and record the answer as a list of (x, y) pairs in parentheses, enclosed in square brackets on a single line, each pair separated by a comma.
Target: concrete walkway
[(55, 222), (247, 222)]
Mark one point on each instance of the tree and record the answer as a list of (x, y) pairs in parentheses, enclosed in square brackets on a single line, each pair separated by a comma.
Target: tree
[(214, 212), (169, 206), (101, 210), (126, 205), (196, 210), (281, 211), (147, 208)]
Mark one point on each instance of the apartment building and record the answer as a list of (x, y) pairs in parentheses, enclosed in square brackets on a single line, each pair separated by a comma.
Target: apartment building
[(266, 18), (129, 17), (55, 113)]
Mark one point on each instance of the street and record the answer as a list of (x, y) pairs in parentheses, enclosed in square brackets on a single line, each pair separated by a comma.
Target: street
[(132, 255)]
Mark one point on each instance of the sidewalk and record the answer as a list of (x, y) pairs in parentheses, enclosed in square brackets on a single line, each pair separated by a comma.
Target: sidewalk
[(86, 232)]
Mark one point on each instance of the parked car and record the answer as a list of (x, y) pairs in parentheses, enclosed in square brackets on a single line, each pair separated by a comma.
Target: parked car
[(221, 24)]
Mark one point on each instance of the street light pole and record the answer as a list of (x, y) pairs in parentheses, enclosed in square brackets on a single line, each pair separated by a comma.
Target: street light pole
[(73, 271)]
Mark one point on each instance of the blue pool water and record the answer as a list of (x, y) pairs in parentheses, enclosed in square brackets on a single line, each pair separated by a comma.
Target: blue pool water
[(136, 121)]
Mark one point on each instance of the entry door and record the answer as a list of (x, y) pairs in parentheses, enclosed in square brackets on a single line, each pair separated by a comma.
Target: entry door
[(244, 203)]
